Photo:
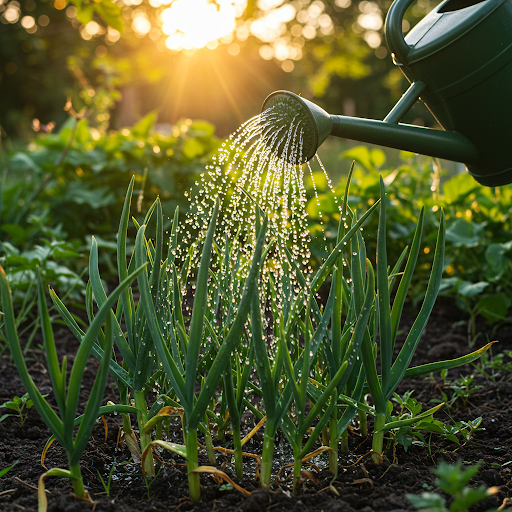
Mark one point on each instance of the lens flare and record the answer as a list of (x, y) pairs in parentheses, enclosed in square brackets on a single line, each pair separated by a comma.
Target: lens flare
[(193, 24)]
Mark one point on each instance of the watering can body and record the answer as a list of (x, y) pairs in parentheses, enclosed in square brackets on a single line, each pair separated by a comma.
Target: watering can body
[(459, 62), (462, 52)]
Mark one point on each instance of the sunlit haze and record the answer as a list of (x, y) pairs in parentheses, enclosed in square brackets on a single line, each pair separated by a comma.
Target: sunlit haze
[(192, 24)]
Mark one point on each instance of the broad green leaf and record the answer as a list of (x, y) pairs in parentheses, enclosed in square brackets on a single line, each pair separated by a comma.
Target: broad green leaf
[(111, 13), (142, 129), (459, 187), (23, 162), (494, 307), (465, 233), (496, 256), (367, 158), (467, 289), (193, 148)]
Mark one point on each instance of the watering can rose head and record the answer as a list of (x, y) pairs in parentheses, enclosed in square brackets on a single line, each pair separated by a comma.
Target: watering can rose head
[(459, 62), (293, 127)]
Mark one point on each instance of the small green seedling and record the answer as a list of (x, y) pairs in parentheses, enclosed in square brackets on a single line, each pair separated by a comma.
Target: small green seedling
[(453, 480), (464, 429), (501, 465), (496, 367), (18, 405), (106, 485), (463, 388), (6, 470)]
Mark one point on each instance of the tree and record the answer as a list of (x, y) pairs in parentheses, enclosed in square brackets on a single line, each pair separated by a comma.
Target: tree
[(333, 49)]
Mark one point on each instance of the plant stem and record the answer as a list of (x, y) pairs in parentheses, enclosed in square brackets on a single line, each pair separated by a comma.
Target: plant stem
[(237, 446), (192, 463), (158, 430), (76, 478), (363, 423), (208, 441), (145, 439), (325, 436), (344, 441), (378, 438), (267, 455), (297, 466), (333, 442)]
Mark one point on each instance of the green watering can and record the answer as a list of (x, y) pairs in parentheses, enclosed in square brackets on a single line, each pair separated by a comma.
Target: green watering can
[(458, 60)]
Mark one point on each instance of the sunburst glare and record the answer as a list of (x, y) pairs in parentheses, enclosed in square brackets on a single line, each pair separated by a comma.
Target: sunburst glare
[(194, 24)]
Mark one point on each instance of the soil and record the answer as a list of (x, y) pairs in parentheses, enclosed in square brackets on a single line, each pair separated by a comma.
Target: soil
[(361, 485)]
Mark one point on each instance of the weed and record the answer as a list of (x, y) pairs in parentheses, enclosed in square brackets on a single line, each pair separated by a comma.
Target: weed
[(106, 485), (18, 405), (453, 480)]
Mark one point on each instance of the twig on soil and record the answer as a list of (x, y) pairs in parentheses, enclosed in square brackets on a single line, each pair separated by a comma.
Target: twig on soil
[(185, 500), (28, 485), (357, 461), (3, 493), (506, 503)]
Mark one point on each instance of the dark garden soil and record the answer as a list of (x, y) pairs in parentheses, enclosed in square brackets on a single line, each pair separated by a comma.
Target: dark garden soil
[(361, 485)]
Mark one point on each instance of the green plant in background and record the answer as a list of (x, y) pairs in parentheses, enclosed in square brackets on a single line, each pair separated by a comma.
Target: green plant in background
[(18, 405), (87, 183), (462, 388), (478, 247), (496, 367), (453, 480), (51, 260)]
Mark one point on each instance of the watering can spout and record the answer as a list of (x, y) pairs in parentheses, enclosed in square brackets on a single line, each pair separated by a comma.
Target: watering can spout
[(417, 139), (284, 112)]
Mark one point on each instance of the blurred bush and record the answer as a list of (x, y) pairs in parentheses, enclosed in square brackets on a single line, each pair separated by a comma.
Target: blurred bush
[(478, 254), (74, 181)]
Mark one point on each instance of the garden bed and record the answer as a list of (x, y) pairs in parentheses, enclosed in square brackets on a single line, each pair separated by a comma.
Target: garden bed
[(361, 485)]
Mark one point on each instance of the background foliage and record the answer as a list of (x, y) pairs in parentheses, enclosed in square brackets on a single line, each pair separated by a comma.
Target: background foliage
[(331, 49)]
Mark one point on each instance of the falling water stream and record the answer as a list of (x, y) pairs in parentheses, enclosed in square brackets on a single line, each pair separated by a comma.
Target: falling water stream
[(253, 167)]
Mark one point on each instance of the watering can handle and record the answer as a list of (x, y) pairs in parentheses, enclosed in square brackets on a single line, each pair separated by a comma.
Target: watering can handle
[(394, 33)]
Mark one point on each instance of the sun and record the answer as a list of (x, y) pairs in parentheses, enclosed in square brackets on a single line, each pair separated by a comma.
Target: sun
[(194, 24)]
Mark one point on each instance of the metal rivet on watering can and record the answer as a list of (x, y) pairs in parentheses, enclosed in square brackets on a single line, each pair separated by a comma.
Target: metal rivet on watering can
[(459, 62)]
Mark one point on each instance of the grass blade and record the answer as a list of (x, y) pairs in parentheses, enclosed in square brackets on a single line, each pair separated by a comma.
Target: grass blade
[(58, 380), (425, 369), (195, 333), (84, 350), (262, 359), (405, 281), (121, 260), (101, 297), (233, 336), (170, 368), (117, 371), (386, 344), (46, 412), (95, 398), (406, 353)]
